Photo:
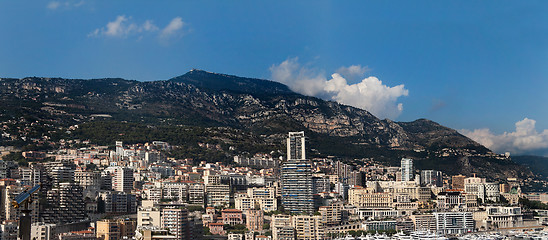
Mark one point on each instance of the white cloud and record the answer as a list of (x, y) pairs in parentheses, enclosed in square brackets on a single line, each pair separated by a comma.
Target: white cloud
[(299, 79), (149, 26), (78, 4), (353, 72), (172, 28), (54, 5), (123, 27), (524, 140), (119, 27), (369, 94)]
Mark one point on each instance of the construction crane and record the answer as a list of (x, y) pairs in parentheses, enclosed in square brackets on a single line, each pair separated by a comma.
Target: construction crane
[(22, 201)]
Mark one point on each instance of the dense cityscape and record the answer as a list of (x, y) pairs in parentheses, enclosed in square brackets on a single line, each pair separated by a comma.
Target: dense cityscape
[(273, 120), (136, 192)]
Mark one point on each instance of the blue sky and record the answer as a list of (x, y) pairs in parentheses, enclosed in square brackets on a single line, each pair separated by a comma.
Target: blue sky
[(477, 66)]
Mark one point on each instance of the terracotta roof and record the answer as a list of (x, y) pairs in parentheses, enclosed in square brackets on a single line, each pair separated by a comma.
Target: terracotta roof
[(232, 210)]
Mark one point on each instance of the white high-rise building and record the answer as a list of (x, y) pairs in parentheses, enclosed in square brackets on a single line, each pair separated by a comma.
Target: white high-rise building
[(119, 148), (123, 180), (296, 146), (176, 221), (296, 177), (431, 178), (407, 170)]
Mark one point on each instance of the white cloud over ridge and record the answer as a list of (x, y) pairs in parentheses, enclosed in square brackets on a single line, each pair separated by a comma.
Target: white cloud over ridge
[(524, 140), (123, 27), (369, 94), (172, 28)]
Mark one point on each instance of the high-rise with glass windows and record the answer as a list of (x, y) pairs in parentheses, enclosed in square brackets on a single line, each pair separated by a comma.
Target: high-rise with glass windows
[(296, 146), (296, 177), (407, 170)]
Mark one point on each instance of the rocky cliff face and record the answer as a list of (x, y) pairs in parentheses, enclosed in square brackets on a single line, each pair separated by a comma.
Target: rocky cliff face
[(208, 99)]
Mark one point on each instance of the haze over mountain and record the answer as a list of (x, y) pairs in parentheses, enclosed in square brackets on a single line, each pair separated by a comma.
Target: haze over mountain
[(263, 109)]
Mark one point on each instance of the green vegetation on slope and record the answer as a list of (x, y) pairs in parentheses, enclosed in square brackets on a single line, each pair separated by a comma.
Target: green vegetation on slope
[(538, 164), (197, 143)]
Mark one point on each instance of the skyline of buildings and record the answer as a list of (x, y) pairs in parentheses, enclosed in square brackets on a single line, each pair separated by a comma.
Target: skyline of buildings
[(303, 199)]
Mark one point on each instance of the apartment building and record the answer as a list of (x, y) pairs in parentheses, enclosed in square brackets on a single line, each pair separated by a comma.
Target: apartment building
[(232, 216), (454, 222), (254, 220), (367, 198), (108, 229), (308, 227), (218, 195)]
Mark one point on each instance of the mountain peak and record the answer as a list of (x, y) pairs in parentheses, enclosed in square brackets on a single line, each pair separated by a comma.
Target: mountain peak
[(267, 115), (196, 70), (231, 83)]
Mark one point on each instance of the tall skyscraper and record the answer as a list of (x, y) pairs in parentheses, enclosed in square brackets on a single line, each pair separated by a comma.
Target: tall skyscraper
[(343, 171), (119, 148), (64, 204), (296, 146), (59, 171), (176, 221), (296, 177), (431, 178), (123, 180), (357, 178), (407, 170)]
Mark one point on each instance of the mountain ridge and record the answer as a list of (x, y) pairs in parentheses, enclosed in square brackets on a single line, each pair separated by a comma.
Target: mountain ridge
[(210, 80), (261, 107)]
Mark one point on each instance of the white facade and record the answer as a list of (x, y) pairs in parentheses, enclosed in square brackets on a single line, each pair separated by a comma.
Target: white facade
[(504, 217), (483, 190), (281, 225), (296, 146), (246, 203), (148, 218), (123, 180), (454, 222), (235, 236), (218, 195), (175, 191), (450, 200), (87, 179), (176, 221), (407, 170), (41, 231), (196, 193)]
